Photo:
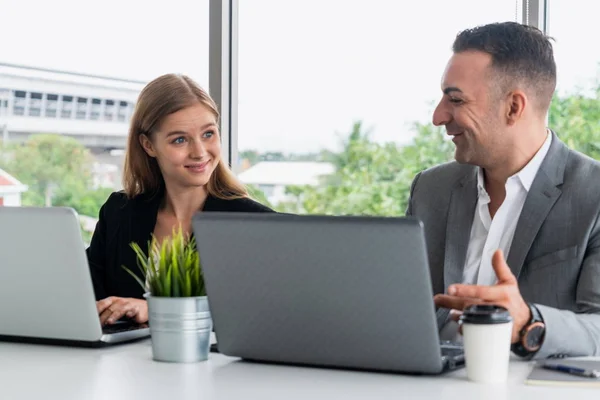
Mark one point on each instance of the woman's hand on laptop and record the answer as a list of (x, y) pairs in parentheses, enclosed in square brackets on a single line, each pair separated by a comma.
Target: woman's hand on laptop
[(111, 309)]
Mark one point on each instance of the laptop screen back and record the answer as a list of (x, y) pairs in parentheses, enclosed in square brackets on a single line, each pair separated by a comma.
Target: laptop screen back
[(45, 284), (349, 292)]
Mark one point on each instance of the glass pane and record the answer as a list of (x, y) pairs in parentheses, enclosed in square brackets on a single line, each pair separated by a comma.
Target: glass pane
[(575, 110), (74, 71), (315, 77)]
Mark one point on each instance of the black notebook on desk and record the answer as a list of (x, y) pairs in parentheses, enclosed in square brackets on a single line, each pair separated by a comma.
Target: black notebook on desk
[(546, 377)]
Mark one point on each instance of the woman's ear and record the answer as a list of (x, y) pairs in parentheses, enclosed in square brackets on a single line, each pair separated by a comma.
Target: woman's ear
[(147, 145)]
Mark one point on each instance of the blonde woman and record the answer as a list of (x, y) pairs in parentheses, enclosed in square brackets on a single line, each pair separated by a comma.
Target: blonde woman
[(173, 169)]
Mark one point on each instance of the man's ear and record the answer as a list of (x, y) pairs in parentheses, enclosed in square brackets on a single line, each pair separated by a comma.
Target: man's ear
[(516, 102), (147, 145)]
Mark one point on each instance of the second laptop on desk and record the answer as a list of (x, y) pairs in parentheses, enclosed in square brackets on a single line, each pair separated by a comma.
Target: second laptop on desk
[(349, 292), (46, 292)]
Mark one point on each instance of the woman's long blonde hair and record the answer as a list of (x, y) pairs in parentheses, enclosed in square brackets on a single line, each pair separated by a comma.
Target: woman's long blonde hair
[(163, 96)]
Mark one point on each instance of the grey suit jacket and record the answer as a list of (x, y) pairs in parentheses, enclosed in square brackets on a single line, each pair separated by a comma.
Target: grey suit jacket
[(555, 253)]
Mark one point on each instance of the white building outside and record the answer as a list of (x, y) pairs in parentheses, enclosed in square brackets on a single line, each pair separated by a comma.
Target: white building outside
[(94, 110), (272, 177)]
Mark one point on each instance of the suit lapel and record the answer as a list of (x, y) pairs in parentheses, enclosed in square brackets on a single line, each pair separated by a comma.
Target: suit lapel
[(538, 204), (458, 229), (542, 195)]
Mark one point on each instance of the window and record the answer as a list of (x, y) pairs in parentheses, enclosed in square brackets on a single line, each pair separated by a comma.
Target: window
[(35, 104), (82, 104), (109, 110), (85, 84), (19, 103), (95, 110), (123, 111), (66, 107), (4, 96), (575, 110), (339, 85), (51, 105)]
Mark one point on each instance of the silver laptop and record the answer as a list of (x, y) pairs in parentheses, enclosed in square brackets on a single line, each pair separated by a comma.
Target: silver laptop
[(347, 292), (46, 292)]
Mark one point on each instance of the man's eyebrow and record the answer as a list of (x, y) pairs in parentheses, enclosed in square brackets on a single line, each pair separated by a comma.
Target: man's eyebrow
[(451, 89)]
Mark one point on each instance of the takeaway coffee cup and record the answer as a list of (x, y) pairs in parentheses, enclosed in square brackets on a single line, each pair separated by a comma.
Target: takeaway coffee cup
[(487, 330)]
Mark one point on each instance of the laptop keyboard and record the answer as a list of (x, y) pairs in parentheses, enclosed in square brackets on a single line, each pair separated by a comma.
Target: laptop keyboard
[(122, 326), (451, 349)]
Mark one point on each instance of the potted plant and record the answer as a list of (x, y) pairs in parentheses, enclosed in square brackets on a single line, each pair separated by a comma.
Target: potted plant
[(178, 312)]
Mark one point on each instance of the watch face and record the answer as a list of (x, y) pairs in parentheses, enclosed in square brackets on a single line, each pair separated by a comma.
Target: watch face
[(535, 334)]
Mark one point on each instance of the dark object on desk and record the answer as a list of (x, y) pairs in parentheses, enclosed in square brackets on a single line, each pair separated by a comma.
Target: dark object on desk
[(214, 348), (542, 375), (123, 325), (570, 369)]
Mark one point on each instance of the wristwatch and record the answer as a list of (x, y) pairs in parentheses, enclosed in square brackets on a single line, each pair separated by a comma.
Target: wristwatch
[(531, 336)]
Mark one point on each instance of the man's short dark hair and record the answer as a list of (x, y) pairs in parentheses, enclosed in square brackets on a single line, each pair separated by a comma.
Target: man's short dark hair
[(520, 53)]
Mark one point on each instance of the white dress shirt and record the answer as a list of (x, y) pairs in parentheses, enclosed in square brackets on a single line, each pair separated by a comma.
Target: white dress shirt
[(487, 234)]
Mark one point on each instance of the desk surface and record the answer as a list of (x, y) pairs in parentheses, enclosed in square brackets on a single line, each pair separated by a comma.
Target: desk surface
[(128, 372)]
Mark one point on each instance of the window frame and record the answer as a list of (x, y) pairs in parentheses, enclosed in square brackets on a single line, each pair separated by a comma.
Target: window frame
[(223, 63)]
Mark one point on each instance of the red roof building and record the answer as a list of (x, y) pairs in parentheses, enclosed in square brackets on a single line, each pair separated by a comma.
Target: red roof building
[(10, 190)]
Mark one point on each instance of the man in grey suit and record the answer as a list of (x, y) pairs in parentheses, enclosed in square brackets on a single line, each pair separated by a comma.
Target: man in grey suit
[(515, 190)]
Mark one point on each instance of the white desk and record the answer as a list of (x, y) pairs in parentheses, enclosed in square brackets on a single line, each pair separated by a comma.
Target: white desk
[(127, 372)]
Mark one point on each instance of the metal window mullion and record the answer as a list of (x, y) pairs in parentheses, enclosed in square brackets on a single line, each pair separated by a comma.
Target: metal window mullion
[(535, 13), (223, 71)]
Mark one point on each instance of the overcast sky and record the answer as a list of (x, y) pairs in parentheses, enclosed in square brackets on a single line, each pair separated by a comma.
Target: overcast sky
[(307, 69)]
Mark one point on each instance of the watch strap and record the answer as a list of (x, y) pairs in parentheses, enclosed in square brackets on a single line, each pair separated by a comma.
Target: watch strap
[(518, 347)]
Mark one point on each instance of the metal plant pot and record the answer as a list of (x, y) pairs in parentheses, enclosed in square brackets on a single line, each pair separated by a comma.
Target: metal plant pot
[(180, 328)]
